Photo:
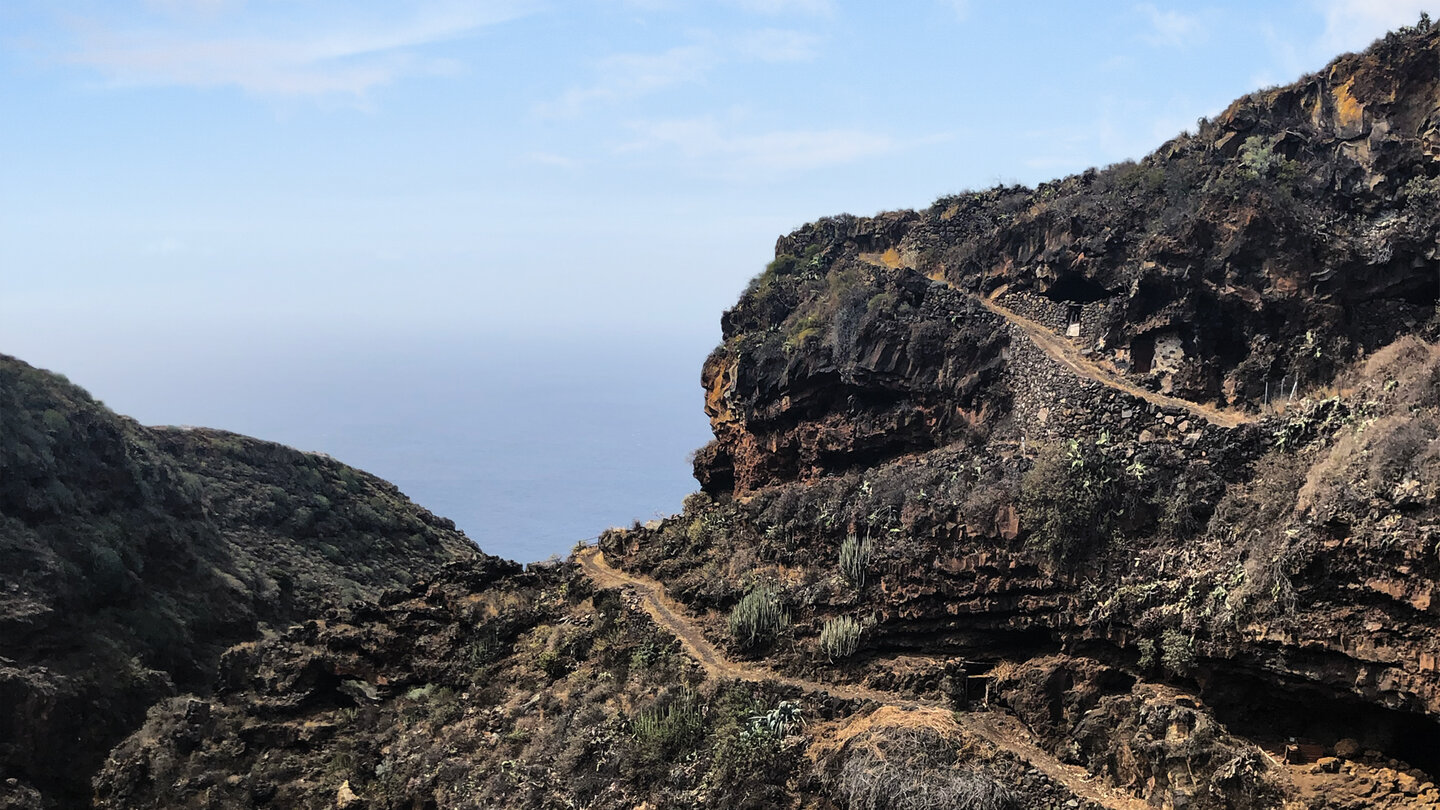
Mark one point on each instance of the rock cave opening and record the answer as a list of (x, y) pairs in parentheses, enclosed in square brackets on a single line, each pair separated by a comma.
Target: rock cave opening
[(1424, 291), (981, 647), (1075, 288), (1275, 715)]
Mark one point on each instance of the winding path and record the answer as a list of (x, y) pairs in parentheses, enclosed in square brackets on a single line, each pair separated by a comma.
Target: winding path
[(1064, 352), (1003, 731)]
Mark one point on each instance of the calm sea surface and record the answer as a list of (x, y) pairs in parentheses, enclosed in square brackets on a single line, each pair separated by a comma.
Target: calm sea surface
[(528, 446)]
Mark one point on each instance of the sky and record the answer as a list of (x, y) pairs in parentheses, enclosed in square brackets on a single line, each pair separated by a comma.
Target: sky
[(247, 171), (195, 191)]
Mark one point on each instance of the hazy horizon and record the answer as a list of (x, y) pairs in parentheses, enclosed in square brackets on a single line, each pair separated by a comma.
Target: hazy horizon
[(528, 447)]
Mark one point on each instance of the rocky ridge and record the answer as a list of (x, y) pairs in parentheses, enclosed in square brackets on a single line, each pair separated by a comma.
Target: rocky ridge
[(132, 557), (1225, 485)]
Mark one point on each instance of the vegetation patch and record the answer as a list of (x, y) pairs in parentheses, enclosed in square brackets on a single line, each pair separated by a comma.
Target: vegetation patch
[(759, 617), (840, 637), (1077, 495)]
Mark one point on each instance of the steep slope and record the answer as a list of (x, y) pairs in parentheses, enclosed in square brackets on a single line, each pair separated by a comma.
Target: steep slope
[(1167, 426), (1292, 234), (536, 690), (131, 557)]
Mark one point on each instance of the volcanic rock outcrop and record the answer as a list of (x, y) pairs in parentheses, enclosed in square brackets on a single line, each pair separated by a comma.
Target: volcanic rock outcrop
[(1174, 419), (132, 557)]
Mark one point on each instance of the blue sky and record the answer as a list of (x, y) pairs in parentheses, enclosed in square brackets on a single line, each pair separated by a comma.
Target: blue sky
[(243, 176)]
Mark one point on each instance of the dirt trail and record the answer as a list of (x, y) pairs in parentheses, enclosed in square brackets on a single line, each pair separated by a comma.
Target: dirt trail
[(1064, 352), (1001, 730)]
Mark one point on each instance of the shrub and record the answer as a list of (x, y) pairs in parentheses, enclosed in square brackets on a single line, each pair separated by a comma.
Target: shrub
[(855, 559), (840, 637), (650, 653), (1177, 651), (750, 763), (668, 727), (759, 617), (781, 721), (918, 769), (1073, 498), (553, 664), (1147, 654)]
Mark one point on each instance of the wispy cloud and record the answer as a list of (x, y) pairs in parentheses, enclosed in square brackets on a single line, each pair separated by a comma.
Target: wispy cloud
[(193, 6), (773, 7), (1123, 129), (632, 75), (1348, 25), (1169, 28), (707, 141), (1287, 60), (551, 159), (774, 45), (769, 8), (960, 7), (291, 60), (168, 246), (1353, 24)]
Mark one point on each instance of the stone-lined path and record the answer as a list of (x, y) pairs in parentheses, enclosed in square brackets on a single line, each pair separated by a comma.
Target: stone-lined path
[(1064, 352)]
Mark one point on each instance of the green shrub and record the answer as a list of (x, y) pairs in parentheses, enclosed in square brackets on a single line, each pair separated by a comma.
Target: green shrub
[(553, 664), (1147, 654), (1177, 651), (781, 721), (749, 765), (1074, 497), (484, 650), (855, 559), (759, 617), (669, 727), (840, 637)]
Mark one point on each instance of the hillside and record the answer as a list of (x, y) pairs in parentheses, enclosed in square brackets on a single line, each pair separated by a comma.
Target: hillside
[(132, 557), (1120, 492), (1160, 434)]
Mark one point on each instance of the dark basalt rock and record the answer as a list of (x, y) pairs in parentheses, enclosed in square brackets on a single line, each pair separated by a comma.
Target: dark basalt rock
[(132, 557)]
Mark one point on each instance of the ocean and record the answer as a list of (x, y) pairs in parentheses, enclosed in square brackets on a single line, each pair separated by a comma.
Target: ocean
[(528, 445)]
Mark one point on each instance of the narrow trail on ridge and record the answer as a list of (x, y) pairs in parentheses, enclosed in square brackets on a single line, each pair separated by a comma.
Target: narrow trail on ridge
[(1064, 352), (1001, 730)]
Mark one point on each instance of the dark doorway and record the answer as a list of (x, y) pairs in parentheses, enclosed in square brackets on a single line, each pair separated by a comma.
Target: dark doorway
[(1142, 354)]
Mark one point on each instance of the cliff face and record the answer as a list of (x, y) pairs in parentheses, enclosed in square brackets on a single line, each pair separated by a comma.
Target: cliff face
[(1284, 239), (132, 557), (1173, 420)]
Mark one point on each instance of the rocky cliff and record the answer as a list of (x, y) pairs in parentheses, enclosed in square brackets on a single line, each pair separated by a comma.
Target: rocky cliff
[(1167, 425), (1122, 491), (1258, 256)]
